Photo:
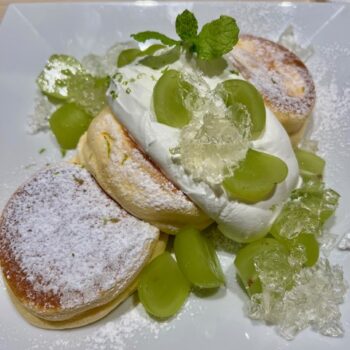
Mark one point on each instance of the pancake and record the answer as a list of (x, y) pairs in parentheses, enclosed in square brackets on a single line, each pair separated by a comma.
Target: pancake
[(280, 76), (89, 316), (130, 178), (66, 247)]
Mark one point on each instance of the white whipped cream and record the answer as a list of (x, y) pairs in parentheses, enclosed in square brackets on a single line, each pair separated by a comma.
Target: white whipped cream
[(133, 108)]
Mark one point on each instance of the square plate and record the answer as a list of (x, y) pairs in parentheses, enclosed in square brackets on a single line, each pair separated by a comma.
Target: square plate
[(29, 34)]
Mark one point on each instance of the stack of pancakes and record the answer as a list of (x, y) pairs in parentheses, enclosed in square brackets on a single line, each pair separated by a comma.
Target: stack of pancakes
[(69, 252)]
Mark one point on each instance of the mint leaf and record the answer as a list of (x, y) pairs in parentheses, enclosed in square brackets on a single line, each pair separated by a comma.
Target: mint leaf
[(156, 62), (129, 55), (144, 36), (186, 25), (217, 38), (152, 49)]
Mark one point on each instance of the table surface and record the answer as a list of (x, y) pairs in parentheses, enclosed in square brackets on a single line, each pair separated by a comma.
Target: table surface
[(5, 3)]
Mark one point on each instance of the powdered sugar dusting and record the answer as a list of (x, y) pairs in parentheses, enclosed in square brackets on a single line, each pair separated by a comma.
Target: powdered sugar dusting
[(89, 245), (164, 195), (330, 119), (287, 86), (155, 191)]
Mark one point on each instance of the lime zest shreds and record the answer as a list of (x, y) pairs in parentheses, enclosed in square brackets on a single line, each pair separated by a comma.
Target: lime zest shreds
[(108, 140), (59, 69)]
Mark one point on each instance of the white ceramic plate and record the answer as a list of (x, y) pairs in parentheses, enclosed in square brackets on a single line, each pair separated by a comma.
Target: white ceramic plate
[(30, 33)]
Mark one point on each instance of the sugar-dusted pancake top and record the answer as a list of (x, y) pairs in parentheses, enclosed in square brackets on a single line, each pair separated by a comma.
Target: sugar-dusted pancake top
[(64, 243)]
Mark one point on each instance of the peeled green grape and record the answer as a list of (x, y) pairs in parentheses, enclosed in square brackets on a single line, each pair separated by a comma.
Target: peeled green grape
[(168, 95), (309, 163), (53, 80), (68, 123), (129, 55), (197, 259), (237, 91), (266, 259), (256, 177), (162, 287)]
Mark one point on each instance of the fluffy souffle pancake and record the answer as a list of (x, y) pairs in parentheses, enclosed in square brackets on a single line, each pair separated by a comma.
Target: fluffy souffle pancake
[(130, 178), (280, 76), (69, 254)]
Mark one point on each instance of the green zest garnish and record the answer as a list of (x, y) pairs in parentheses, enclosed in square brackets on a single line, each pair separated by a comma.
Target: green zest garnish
[(214, 40)]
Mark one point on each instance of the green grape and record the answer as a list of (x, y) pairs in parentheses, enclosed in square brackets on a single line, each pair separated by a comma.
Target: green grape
[(237, 91), (197, 259), (53, 80), (88, 92), (68, 123), (309, 163), (168, 95), (130, 55), (265, 258), (162, 287), (256, 177)]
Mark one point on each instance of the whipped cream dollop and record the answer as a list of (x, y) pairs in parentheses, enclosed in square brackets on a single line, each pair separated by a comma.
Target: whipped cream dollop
[(130, 97)]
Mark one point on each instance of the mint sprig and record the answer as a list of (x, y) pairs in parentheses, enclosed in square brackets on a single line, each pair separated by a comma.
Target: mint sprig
[(214, 40)]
